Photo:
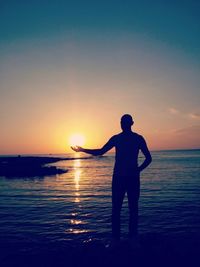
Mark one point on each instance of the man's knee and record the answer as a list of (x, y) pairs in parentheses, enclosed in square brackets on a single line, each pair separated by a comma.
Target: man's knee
[(133, 204)]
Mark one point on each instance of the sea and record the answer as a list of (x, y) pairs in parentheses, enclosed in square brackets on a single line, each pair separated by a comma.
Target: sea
[(76, 206)]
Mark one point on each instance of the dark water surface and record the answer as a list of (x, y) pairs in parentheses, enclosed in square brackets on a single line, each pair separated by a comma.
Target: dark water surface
[(77, 205)]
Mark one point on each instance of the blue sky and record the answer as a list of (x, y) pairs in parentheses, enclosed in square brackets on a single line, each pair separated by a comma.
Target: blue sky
[(174, 22)]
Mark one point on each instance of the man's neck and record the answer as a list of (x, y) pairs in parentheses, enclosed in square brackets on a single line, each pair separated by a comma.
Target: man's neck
[(127, 131)]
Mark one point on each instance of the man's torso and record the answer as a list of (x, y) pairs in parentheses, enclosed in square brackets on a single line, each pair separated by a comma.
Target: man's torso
[(127, 147)]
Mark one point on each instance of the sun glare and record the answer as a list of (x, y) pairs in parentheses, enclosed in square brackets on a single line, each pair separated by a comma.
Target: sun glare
[(77, 140)]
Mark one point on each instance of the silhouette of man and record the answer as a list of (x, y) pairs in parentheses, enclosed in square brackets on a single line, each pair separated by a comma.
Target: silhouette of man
[(126, 174)]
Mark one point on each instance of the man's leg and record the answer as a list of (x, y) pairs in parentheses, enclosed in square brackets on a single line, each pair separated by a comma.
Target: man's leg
[(133, 193), (118, 193), (133, 218)]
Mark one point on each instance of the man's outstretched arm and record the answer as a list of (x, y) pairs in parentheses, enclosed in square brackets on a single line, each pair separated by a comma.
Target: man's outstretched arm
[(96, 152), (147, 154)]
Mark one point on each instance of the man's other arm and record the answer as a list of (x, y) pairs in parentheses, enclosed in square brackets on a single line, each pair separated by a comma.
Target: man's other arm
[(147, 154)]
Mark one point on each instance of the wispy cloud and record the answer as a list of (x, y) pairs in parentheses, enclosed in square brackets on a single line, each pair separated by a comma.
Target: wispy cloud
[(190, 115), (194, 129), (173, 110), (194, 116)]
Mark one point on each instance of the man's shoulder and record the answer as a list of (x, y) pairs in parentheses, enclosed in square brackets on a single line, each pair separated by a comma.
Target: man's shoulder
[(139, 137), (117, 136), (114, 137)]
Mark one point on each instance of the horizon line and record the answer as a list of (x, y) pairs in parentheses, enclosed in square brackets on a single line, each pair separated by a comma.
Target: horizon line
[(152, 150)]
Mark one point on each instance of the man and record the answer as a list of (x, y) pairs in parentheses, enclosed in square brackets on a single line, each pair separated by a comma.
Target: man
[(126, 174)]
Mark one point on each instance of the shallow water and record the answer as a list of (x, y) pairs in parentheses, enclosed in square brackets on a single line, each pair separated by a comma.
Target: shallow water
[(77, 205)]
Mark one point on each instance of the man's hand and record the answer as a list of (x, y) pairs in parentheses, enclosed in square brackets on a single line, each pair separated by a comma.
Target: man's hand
[(77, 148)]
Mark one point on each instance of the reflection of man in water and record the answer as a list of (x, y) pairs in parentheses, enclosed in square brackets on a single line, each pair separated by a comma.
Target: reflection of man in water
[(126, 175)]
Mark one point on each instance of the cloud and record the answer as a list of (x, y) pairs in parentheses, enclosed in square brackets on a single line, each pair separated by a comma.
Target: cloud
[(173, 110), (194, 116), (190, 115), (194, 129)]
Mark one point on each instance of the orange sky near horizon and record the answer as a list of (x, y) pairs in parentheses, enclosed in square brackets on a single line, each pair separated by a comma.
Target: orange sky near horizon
[(50, 98)]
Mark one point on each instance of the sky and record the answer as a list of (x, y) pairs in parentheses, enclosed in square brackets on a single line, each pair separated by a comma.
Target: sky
[(77, 66)]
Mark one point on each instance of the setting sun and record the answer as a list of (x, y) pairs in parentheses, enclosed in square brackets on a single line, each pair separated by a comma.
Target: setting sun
[(77, 140)]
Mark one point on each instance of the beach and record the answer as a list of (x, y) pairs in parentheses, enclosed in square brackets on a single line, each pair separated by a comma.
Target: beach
[(153, 251)]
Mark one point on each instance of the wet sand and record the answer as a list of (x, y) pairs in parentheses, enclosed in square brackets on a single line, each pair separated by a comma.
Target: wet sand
[(153, 251)]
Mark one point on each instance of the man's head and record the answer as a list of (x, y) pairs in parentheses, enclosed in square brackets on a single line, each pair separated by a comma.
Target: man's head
[(126, 122)]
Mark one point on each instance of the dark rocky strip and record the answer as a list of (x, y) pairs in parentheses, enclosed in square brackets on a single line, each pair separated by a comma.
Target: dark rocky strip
[(23, 166)]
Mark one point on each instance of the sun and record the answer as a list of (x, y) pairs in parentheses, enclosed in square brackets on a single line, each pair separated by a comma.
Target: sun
[(76, 140)]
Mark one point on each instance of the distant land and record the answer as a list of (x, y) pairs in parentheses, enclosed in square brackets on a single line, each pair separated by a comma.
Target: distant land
[(27, 166)]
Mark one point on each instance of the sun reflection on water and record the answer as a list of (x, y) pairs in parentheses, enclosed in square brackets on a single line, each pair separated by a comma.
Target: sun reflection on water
[(78, 231), (77, 178), (75, 221), (77, 199), (77, 175)]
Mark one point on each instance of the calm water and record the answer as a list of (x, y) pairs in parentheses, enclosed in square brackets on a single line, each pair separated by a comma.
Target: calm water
[(77, 205)]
